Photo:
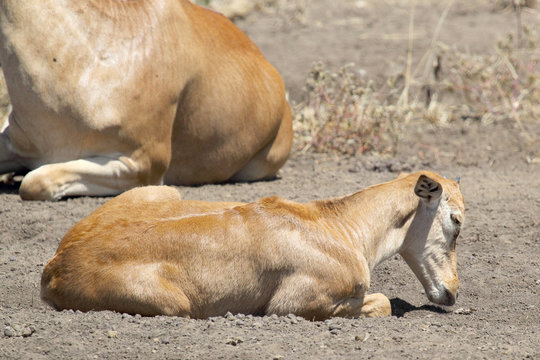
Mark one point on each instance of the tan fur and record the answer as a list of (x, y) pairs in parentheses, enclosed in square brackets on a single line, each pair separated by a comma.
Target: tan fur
[(149, 252), (108, 95)]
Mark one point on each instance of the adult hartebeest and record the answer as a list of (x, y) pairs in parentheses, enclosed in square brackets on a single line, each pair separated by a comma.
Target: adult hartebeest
[(109, 94), (150, 253)]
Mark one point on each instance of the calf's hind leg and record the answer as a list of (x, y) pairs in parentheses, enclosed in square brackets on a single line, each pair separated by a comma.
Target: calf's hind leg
[(147, 289)]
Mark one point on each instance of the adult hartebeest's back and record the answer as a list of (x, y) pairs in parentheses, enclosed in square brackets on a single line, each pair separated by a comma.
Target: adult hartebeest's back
[(111, 94)]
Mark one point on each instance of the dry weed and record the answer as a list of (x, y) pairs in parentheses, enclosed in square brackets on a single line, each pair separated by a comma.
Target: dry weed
[(496, 87), (344, 113)]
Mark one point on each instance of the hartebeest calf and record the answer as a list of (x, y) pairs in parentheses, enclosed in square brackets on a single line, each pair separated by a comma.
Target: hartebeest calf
[(148, 252), (108, 95)]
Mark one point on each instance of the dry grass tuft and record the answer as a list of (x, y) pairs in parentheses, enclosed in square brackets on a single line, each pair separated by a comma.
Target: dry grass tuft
[(346, 114), (497, 87), (343, 113)]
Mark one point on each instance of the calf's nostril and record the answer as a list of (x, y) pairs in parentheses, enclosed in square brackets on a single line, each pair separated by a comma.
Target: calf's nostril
[(450, 298)]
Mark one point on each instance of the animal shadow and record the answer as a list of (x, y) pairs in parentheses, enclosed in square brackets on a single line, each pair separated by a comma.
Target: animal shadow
[(9, 184), (401, 307)]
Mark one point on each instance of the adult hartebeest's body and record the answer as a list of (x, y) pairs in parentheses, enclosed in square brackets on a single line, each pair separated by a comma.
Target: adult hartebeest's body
[(150, 253), (110, 94)]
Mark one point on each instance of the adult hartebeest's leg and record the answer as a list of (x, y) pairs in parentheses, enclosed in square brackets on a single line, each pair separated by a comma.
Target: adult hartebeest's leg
[(8, 160), (266, 163), (98, 175)]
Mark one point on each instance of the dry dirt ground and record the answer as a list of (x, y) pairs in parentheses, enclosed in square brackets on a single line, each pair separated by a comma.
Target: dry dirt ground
[(497, 313)]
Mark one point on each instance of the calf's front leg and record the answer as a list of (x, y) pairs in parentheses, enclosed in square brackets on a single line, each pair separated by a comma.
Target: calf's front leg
[(372, 305)]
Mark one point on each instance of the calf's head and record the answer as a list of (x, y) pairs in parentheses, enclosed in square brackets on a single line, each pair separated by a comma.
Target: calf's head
[(430, 244)]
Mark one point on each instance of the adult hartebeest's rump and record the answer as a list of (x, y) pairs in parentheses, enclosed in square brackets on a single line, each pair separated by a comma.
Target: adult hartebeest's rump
[(150, 253), (109, 94)]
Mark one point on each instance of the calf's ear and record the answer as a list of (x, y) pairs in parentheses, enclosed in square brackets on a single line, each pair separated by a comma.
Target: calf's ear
[(428, 189)]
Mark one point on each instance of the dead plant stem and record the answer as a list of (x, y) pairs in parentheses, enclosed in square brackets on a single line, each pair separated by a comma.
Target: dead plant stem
[(404, 98), (434, 39)]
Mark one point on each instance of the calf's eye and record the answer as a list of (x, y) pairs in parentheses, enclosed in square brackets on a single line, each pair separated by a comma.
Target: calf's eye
[(455, 219)]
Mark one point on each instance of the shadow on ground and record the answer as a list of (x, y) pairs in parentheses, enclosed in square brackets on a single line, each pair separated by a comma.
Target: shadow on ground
[(401, 307)]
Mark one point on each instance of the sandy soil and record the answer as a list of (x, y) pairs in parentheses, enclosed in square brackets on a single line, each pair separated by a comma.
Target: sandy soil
[(497, 314)]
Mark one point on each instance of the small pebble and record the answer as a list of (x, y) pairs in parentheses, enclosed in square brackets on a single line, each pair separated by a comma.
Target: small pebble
[(234, 342), (28, 331), (362, 338), (464, 311), (9, 331), (14, 330), (334, 327), (229, 315)]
